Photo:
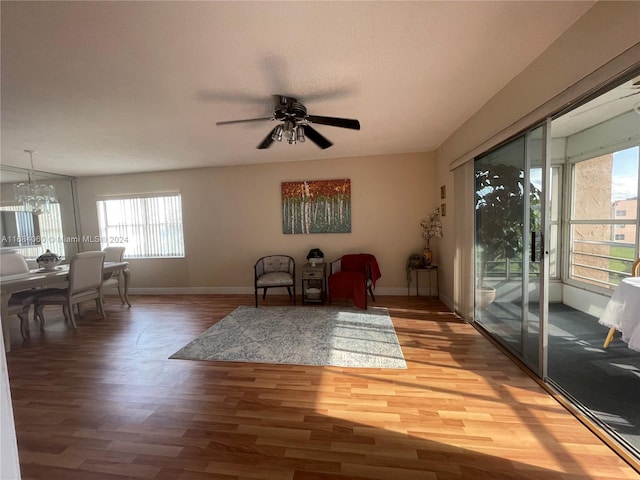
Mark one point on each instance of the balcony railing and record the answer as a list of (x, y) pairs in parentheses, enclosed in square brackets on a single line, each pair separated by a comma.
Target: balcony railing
[(598, 268)]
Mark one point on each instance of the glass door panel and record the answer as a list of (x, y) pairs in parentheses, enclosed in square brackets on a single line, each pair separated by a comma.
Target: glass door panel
[(499, 204), (534, 295), (510, 249)]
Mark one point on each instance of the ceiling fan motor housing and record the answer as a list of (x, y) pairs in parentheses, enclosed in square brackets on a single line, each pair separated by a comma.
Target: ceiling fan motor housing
[(290, 108)]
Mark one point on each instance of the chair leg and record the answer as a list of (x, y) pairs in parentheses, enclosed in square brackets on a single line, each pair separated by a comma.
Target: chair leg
[(294, 293), (71, 314), (612, 332), (24, 323), (264, 293), (371, 293), (121, 295), (256, 294), (38, 316), (100, 307)]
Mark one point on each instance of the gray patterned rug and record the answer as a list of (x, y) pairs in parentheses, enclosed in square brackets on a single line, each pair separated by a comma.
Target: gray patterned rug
[(301, 336)]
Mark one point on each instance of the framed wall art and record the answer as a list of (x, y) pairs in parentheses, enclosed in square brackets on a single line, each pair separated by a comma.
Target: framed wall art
[(316, 206)]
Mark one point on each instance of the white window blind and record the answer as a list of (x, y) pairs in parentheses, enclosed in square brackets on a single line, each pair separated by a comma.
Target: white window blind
[(146, 225)]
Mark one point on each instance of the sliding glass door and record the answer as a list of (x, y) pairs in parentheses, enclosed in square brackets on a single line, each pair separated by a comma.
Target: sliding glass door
[(509, 208), (557, 230)]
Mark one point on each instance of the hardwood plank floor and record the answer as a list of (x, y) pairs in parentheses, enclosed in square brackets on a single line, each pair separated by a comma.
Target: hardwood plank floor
[(105, 402)]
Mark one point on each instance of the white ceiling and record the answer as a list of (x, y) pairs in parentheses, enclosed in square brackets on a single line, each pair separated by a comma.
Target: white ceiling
[(115, 87)]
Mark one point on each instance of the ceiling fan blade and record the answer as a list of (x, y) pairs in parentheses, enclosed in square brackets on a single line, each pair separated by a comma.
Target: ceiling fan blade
[(268, 140), (335, 122), (313, 135), (229, 122)]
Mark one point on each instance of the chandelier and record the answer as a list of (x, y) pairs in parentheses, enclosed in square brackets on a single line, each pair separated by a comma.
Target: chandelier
[(35, 198)]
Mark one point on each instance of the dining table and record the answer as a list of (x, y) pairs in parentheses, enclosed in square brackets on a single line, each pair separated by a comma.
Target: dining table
[(40, 278), (622, 313)]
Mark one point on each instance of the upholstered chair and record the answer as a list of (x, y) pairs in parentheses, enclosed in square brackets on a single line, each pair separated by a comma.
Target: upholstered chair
[(352, 276), (12, 263), (275, 271), (85, 282)]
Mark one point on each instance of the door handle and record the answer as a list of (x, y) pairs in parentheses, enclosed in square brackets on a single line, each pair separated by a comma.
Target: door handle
[(537, 246)]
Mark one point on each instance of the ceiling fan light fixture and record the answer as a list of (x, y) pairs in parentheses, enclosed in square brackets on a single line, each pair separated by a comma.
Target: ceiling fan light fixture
[(300, 130), (277, 133), (289, 126)]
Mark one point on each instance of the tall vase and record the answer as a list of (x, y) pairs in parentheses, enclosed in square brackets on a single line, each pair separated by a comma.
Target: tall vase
[(427, 256)]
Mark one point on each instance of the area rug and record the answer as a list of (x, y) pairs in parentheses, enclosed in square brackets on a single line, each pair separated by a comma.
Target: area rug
[(327, 336)]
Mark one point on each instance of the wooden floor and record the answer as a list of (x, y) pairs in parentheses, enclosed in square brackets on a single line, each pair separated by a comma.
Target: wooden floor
[(105, 402)]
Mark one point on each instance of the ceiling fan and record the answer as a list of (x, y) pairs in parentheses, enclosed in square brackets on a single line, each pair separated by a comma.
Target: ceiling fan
[(295, 123)]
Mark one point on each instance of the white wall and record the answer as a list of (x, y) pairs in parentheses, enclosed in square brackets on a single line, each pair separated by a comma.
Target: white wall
[(232, 216)]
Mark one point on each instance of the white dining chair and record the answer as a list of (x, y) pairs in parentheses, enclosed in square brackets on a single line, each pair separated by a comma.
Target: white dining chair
[(12, 263), (85, 283), (113, 254)]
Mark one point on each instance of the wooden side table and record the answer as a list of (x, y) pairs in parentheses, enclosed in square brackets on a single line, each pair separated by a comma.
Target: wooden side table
[(314, 283), (430, 270)]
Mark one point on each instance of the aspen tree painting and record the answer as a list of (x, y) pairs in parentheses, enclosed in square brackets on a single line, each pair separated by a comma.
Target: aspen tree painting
[(316, 206)]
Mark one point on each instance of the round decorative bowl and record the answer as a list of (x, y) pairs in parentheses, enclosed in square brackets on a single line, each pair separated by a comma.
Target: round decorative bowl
[(48, 260)]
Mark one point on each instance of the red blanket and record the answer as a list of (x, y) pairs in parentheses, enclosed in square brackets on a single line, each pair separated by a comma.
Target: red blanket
[(359, 262), (351, 281)]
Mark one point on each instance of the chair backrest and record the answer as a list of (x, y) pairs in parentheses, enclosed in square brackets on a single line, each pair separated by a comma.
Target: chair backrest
[(85, 271), (114, 254), (274, 263), (358, 262), (12, 264), (635, 268)]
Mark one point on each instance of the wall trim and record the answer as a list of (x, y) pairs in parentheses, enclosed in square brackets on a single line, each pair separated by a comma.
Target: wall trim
[(390, 291)]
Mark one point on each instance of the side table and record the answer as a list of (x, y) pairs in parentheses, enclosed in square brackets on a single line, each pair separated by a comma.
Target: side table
[(314, 283), (430, 270)]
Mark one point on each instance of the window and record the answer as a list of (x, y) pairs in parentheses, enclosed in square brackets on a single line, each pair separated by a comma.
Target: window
[(605, 199), (42, 230), (148, 226)]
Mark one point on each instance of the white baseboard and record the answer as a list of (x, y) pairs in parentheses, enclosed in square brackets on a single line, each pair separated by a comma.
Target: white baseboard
[(587, 302), (395, 291)]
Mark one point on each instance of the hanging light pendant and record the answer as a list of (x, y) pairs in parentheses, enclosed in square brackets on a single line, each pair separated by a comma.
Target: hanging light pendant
[(36, 198)]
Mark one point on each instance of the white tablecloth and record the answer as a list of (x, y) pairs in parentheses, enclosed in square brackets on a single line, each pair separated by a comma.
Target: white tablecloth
[(623, 311)]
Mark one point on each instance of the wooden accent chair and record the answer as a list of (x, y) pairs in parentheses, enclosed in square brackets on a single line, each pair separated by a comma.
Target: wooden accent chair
[(85, 283), (274, 271), (635, 272), (352, 276)]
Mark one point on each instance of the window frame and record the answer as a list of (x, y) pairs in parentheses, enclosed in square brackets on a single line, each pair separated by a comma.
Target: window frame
[(123, 231), (614, 222)]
